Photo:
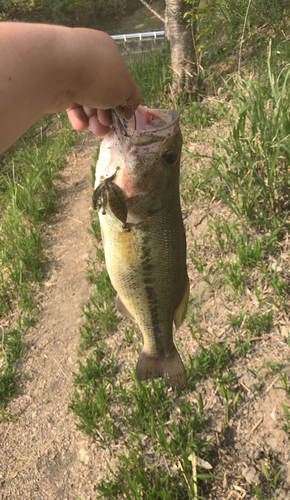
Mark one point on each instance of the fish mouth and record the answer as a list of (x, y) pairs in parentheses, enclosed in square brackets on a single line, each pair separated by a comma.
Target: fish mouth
[(146, 126), (139, 144)]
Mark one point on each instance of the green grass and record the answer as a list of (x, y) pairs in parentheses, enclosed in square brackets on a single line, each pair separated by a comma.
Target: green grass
[(12, 348), (27, 196), (253, 163), (214, 361), (147, 411), (107, 409), (98, 313), (151, 72), (100, 318), (271, 472), (239, 254)]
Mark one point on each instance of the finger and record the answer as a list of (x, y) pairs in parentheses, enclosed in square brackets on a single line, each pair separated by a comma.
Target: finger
[(133, 102), (135, 97), (96, 127), (83, 117), (78, 117), (105, 117), (128, 112)]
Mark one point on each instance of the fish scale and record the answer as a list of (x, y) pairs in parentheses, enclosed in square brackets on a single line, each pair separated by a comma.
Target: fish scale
[(147, 263)]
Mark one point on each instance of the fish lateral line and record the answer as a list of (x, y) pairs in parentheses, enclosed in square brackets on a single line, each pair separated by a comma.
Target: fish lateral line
[(145, 196)]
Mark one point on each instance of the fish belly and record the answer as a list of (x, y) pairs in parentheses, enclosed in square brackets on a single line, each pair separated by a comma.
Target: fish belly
[(147, 267)]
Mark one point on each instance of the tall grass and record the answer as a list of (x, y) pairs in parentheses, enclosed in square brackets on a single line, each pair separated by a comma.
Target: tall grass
[(151, 70), (28, 197), (253, 163), (27, 191)]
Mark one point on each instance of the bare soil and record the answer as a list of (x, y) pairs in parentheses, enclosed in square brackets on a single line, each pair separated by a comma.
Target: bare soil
[(44, 456)]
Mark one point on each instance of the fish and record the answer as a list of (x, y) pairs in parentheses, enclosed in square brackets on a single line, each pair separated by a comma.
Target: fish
[(138, 202)]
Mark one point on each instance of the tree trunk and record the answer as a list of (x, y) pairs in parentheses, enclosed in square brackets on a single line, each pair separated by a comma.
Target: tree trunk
[(182, 43)]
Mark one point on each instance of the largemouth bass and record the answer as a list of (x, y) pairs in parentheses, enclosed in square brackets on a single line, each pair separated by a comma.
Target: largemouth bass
[(137, 193)]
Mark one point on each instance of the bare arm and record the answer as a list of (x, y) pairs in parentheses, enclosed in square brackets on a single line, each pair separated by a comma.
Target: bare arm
[(47, 68)]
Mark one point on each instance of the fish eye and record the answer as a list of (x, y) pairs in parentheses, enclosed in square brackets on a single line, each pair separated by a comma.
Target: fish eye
[(170, 157)]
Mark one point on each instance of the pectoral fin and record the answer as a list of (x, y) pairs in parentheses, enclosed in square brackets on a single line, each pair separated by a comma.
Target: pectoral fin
[(181, 310), (170, 368), (122, 308)]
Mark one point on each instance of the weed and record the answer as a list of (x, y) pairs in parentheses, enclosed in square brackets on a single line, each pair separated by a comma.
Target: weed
[(194, 311), (95, 229), (90, 400), (284, 380), (135, 480), (193, 186), (287, 416), (152, 74), (249, 253), (252, 168), (129, 334), (236, 320), (272, 365), (201, 267), (235, 277), (28, 171), (93, 166), (242, 346), (7, 382), (148, 412), (271, 471), (27, 182), (93, 369), (255, 324), (100, 319), (259, 322), (280, 286), (225, 396), (92, 407), (208, 362), (11, 349)]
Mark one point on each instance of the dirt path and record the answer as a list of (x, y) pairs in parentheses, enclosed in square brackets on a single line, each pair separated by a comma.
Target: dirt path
[(42, 455)]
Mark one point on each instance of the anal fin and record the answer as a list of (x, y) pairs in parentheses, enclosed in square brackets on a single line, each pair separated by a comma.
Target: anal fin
[(170, 368), (122, 308), (181, 310)]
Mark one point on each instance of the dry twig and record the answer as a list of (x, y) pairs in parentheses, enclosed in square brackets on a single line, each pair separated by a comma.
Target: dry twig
[(256, 425)]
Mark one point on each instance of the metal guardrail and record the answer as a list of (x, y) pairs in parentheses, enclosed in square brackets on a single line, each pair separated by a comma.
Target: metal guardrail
[(148, 34)]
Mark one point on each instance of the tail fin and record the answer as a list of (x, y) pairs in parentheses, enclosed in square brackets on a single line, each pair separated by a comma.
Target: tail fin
[(170, 368)]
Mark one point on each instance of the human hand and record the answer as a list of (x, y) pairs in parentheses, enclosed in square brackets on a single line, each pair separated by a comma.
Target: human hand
[(108, 84), (48, 68)]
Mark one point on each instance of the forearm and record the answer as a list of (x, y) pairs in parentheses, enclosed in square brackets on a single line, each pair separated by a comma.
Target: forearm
[(47, 68), (33, 75)]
